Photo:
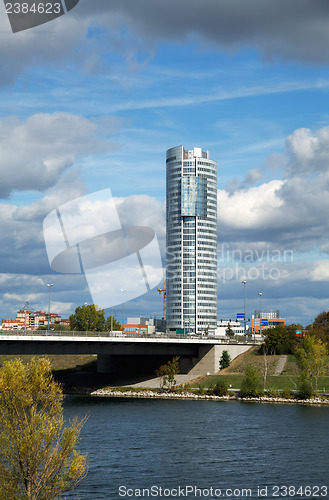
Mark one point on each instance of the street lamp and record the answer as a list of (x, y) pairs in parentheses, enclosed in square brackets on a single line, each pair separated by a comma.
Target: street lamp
[(25, 307), (244, 304), (49, 285), (123, 310), (260, 314)]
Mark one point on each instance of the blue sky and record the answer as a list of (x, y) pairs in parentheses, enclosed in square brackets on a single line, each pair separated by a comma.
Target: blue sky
[(94, 98)]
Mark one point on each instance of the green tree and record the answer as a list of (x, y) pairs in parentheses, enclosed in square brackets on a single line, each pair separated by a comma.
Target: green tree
[(88, 318), (220, 388), (312, 356), (281, 339), (225, 360), (320, 326), (38, 459), (305, 390), (249, 385), (229, 331), (168, 372), (116, 325)]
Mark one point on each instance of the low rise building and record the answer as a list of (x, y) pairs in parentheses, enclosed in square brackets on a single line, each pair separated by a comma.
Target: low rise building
[(225, 326), (32, 320), (145, 325), (263, 320)]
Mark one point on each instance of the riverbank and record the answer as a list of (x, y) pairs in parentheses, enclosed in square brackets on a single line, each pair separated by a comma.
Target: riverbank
[(119, 393)]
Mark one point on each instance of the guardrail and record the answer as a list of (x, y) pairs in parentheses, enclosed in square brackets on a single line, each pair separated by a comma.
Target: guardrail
[(119, 334)]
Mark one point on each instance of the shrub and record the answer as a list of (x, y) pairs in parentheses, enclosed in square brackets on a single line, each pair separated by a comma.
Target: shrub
[(286, 393), (272, 393), (220, 388), (167, 373), (305, 389), (249, 385), (202, 390)]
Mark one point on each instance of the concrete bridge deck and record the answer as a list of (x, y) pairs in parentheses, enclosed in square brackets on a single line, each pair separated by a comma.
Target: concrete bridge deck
[(121, 353)]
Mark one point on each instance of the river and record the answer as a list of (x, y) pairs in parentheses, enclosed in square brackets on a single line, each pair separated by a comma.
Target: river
[(201, 449)]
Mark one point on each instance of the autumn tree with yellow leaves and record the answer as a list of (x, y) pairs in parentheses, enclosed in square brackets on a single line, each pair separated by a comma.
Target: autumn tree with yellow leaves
[(38, 456)]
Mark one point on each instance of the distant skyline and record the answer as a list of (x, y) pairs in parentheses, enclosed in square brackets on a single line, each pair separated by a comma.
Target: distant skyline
[(94, 99)]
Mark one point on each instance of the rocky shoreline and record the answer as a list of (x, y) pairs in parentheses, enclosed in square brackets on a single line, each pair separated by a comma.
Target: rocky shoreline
[(112, 393)]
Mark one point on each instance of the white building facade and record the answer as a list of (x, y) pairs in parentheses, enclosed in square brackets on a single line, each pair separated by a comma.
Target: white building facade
[(191, 277)]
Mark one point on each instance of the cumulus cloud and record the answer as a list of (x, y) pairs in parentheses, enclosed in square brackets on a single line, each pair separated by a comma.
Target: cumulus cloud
[(37, 150), (142, 210), (308, 152), (23, 249), (286, 213), (250, 208), (24, 265)]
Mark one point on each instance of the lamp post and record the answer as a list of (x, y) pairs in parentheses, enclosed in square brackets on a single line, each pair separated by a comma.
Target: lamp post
[(49, 285), (123, 310), (25, 307), (260, 314), (244, 304), (87, 320)]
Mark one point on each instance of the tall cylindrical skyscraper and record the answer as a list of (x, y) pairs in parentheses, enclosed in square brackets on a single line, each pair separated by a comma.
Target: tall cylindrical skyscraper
[(191, 276)]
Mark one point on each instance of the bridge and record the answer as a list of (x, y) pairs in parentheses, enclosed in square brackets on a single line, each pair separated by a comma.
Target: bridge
[(122, 353)]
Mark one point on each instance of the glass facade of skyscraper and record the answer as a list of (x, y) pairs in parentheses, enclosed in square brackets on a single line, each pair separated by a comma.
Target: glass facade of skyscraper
[(191, 277)]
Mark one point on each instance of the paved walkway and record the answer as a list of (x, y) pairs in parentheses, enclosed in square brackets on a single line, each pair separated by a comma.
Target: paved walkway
[(154, 383), (281, 364)]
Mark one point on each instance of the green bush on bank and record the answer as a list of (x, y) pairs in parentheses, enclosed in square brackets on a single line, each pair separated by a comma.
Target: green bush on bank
[(219, 389), (305, 390), (286, 394), (250, 384), (273, 393)]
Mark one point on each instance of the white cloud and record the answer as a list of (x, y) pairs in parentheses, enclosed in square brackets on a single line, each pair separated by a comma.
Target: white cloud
[(308, 152), (143, 210), (320, 272), (251, 208), (289, 212), (23, 249), (36, 151)]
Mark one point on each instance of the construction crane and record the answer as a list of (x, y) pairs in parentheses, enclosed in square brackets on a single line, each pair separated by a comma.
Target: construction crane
[(163, 292)]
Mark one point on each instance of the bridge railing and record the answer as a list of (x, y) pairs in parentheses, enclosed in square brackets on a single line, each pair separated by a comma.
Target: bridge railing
[(119, 334)]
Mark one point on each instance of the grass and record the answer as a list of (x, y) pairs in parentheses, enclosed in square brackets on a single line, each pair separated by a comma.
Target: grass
[(60, 364), (235, 373)]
